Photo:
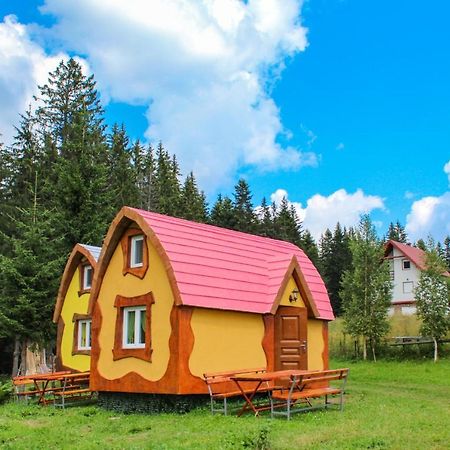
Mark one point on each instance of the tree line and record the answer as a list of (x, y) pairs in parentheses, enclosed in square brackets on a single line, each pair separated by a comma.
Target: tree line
[(66, 175)]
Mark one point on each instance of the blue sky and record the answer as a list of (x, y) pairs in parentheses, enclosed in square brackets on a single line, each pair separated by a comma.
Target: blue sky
[(342, 105)]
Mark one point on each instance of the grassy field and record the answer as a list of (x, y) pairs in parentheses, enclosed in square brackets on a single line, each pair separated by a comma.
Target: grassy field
[(389, 405)]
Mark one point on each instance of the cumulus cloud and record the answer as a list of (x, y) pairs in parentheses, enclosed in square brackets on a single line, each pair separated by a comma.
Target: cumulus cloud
[(23, 65), (202, 67), (322, 212), (430, 215)]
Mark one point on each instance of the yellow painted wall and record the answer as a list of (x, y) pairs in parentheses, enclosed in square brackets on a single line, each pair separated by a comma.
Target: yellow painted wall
[(73, 304), (226, 340), (316, 345), (114, 283), (285, 297)]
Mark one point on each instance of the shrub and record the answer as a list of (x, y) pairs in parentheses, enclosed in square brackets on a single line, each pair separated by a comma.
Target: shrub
[(5, 390)]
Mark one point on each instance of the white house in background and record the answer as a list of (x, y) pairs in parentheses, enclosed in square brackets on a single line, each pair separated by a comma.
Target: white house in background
[(406, 263)]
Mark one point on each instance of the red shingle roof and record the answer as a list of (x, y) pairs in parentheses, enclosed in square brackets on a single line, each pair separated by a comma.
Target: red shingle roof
[(224, 269)]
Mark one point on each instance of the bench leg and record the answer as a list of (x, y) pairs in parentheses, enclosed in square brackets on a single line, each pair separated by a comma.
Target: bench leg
[(225, 406)]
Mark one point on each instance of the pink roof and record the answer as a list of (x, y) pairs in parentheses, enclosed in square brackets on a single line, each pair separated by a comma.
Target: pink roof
[(224, 269)]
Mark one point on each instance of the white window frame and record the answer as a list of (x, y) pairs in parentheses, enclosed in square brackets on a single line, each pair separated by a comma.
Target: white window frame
[(87, 268), (139, 312), (133, 262), (408, 283), (403, 264), (88, 323)]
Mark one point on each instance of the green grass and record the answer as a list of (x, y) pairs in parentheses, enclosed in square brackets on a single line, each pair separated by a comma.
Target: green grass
[(389, 405)]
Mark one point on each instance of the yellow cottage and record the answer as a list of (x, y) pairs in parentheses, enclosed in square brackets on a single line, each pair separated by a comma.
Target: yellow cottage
[(73, 343), (173, 299)]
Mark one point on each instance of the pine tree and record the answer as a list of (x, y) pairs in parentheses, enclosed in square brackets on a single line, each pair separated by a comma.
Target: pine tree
[(286, 223), (396, 232), (122, 175), (432, 296), (335, 259), (308, 245), (29, 278), (192, 202), (166, 186), (245, 218), (69, 98), (266, 225), (143, 163), (222, 213), (421, 244), (71, 120), (366, 288)]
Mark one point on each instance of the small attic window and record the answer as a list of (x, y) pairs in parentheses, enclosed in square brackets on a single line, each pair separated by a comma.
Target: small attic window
[(406, 264), (87, 277), (137, 251)]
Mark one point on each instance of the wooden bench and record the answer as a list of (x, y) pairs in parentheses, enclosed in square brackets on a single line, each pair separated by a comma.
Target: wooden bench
[(22, 383), (221, 387), (21, 388), (74, 388), (302, 389)]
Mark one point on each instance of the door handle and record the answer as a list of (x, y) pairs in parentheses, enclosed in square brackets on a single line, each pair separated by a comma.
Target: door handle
[(304, 345)]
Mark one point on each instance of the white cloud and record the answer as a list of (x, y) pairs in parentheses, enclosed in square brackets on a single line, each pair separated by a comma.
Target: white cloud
[(429, 216), (202, 67), (409, 195), (447, 170), (323, 212), (23, 65), (340, 146)]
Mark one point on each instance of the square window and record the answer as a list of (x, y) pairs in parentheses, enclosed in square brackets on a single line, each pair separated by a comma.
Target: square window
[(406, 264), (84, 335), (137, 251), (134, 326), (87, 277), (408, 287)]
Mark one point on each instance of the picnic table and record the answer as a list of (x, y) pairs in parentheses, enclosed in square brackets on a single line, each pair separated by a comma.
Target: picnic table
[(21, 383), (57, 383), (258, 379)]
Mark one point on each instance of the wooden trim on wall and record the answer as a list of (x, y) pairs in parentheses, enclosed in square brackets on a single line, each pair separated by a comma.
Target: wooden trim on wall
[(325, 353), (268, 342), (187, 382), (59, 335), (295, 271), (75, 319), (125, 243), (120, 303)]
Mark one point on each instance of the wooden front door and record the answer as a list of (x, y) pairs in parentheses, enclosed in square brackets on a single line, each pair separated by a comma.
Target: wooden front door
[(291, 350)]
